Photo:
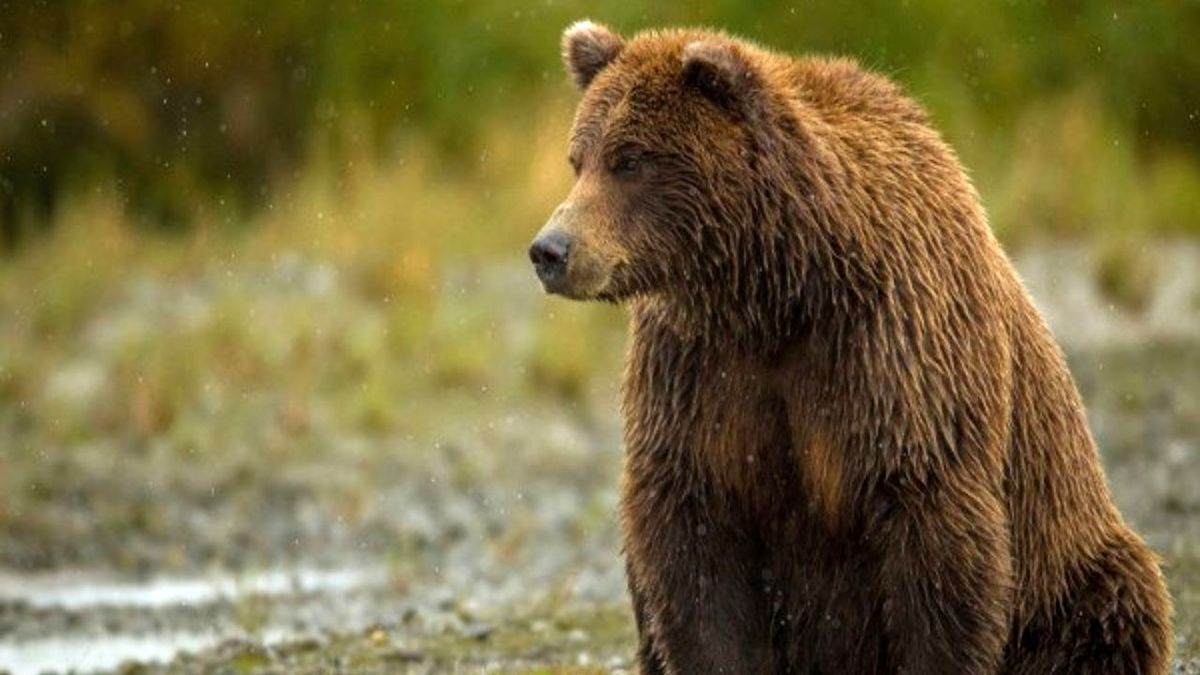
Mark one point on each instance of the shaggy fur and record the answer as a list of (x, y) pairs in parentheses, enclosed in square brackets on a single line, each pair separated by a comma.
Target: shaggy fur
[(852, 444)]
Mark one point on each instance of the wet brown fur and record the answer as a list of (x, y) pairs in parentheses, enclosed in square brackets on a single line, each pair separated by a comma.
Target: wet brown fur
[(852, 445)]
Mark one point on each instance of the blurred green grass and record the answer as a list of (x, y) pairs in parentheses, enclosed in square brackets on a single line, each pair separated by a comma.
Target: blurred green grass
[(1073, 117), (358, 288)]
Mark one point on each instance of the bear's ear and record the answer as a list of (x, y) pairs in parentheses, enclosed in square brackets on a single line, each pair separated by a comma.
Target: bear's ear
[(720, 72), (587, 48)]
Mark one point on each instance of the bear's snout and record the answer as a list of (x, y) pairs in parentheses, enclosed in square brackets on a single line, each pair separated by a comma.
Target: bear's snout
[(573, 255), (549, 253)]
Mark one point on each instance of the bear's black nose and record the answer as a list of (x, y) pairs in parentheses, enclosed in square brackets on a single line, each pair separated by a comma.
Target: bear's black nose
[(548, 253)]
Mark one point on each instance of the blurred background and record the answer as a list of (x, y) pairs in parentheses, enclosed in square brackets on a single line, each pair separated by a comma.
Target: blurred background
[(279, 391)]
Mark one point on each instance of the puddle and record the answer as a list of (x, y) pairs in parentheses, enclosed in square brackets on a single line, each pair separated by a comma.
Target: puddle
[(78, 590), (85, 654), (81, 592)]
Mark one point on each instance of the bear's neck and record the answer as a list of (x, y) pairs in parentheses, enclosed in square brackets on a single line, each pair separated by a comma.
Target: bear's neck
[(763, 323)]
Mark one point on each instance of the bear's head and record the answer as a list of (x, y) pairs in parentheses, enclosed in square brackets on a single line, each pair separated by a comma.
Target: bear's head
[(670, 146)]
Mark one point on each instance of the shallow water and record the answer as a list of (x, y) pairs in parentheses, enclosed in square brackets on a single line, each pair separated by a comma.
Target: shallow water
[(75, 592), (88, 653), (81, 590)]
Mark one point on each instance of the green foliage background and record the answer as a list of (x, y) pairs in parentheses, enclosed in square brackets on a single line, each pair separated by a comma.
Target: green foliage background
[(208, 107)]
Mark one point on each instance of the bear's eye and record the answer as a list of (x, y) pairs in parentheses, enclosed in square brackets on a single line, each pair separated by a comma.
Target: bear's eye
[(576, 165), (627, 165)]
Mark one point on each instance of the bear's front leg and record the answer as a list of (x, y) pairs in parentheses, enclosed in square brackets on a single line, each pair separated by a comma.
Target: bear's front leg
[(946, 576), (647, 659), (691, 580)]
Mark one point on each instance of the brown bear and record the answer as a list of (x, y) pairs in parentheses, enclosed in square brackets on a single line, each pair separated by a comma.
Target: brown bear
[(852, 445)]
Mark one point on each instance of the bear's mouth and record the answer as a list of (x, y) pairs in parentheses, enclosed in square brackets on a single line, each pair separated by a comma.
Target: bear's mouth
[(609, 284), (584, 279)]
